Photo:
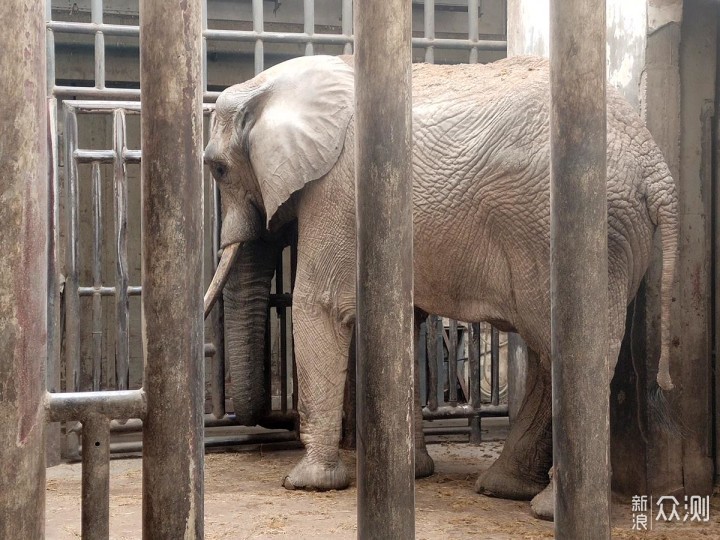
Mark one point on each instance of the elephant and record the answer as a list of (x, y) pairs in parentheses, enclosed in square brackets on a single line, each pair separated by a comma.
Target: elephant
[(282, 152)]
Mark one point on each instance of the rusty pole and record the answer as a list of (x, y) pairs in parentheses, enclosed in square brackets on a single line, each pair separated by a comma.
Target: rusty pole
[(23, 268), (579, 282), (172, 224), (383, 150)]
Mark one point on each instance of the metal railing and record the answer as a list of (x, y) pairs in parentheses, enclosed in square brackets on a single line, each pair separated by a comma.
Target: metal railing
[(119, 156)]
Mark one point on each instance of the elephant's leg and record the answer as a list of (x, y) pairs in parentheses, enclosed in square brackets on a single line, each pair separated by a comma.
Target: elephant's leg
[(321, 349), (521, 471), (424, 465)]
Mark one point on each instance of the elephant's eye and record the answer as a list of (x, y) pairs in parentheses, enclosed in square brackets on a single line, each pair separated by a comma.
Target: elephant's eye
[(218, 170)]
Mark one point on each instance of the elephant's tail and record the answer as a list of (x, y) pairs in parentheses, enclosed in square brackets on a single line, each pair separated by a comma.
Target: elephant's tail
[(662, 206)]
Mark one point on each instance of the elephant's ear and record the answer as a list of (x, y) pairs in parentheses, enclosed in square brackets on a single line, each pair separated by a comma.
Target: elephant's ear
[(299, 131)]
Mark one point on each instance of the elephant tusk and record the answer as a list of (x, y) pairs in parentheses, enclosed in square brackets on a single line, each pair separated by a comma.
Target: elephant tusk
[(221, 276)]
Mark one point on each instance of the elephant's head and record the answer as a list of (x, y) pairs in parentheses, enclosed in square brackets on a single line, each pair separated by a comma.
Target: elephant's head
[(271, 136)]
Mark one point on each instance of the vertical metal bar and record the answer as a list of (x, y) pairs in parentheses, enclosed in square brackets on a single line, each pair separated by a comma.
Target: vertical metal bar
[(422, 364), (96, 13), (293, 268), (204, 56), (494, 365), (95, 514), (97, 328), (172, 282), (579, 281), (309, 23), (53, 336), (50, 48), (72, 299), (258, 25), (122, 304), (432, 360), (385, 330), (440, 356), (429, 18), (282, 316), (474, 380), (473, 28), (218, 324), (452, 363), (23, 268), (347, 24)]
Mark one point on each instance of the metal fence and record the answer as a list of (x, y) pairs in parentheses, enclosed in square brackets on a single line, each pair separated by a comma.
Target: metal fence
[(451, 354)]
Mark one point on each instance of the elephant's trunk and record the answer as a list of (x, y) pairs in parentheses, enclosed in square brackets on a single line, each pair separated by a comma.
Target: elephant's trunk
[(246, 297)]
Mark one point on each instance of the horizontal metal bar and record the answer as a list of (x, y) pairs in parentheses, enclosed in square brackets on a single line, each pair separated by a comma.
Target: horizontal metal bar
[(105, 156), (281, 300), (92, 28), (108, 291), (464, 411), (273, 37), (278, 437), (116, 404), (273, 420)]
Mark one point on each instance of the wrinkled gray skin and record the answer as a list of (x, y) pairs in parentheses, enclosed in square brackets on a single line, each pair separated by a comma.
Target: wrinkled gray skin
[(282, 149)]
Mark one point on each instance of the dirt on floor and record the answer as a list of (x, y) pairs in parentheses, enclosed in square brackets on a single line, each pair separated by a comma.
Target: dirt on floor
[(244, 499)]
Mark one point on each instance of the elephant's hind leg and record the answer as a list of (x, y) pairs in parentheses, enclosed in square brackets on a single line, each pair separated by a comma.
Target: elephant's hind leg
[(321, 349), (521, 471)]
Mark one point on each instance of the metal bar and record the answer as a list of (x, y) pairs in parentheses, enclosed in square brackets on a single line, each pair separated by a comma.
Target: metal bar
[(293, 268), (217, 320), (347, 26), (96, 11), (440, 358), (464, 410), (473, 29), (53, 336), (282, 316), (277, 37), (71, 297), (494, 365), (204, 15), (108, 291), (172, 300), (385, 395), (578, 279), (115, 404), (257, 13), (95, 513), (432, 361), (474, 380), (23, 268), (452, 363), (276, 439), (309, 23), (121, 292), (97, 328), (429, 18), (50, 48)]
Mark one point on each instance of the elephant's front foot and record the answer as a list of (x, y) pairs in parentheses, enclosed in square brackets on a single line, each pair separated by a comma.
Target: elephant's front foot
[(543, 505), (313, 476), (424, 464), (502, 482)]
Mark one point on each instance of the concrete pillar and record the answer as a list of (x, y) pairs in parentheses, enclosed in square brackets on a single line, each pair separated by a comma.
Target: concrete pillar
[(23, 268), (385, 444), (172, 301), (578, 245)]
